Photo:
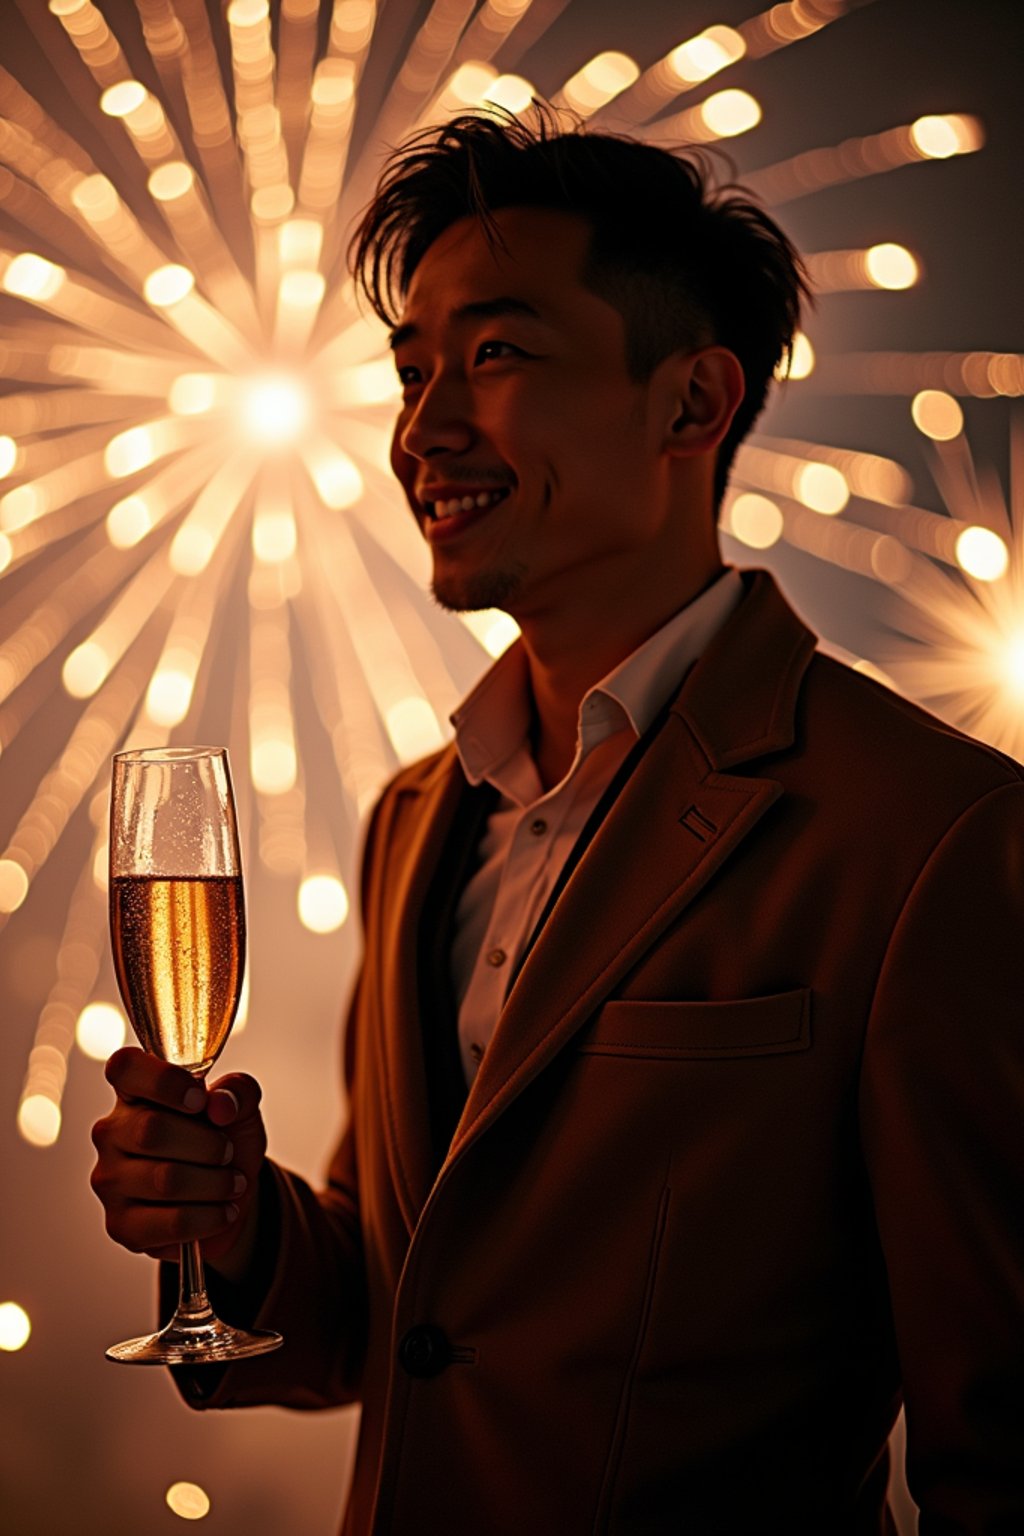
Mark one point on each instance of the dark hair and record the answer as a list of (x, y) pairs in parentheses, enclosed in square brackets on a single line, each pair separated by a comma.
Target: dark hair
[(684, 262)]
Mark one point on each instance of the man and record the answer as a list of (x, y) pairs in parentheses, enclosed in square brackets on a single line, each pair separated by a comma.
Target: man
[(685, 1061)]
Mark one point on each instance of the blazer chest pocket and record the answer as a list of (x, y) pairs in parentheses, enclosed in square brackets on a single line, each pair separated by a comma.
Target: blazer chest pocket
[(689, 1031)]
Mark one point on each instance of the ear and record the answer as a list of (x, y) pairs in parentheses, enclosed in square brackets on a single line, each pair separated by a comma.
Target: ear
[(704, 390)]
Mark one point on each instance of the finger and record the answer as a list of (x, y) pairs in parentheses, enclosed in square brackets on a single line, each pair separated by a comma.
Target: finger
[(137, 1179), (234, 1097), (143, 1131), (135, 1074), (140, 1227)]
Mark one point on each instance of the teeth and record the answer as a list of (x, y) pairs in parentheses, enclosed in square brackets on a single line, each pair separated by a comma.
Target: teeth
[(468, 503)]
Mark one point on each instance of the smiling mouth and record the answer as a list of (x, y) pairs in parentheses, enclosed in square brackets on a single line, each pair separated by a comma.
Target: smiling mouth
[(472, 501)]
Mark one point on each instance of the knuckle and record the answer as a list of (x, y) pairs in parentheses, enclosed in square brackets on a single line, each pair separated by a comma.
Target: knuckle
[(166, 1180), (147, 1128), (118, 1062)]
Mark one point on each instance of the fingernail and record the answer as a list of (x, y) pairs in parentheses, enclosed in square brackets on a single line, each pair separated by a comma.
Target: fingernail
[(240, 1183), (195, 1098), (229, 1152), (232, 1213), (227, 1094)]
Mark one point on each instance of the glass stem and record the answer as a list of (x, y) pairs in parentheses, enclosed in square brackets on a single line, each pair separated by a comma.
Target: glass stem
[(193, 1303)]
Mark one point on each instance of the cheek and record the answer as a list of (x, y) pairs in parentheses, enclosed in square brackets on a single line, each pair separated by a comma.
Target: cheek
[(402, 466)]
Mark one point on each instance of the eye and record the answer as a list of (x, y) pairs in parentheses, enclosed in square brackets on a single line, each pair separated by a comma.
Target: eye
[(409, 374), (493, 351)]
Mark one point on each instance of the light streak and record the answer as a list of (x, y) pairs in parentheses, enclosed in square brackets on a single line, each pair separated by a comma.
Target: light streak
[(192, 378)]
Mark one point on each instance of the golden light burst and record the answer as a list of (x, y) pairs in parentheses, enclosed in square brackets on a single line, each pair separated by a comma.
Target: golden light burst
[(192, 390)]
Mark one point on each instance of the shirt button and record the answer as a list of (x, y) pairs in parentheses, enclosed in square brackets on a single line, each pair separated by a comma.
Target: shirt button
[(496, 957), (538, 827)]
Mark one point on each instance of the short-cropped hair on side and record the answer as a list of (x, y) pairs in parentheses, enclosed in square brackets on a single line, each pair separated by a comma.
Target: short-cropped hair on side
[(686, 262)]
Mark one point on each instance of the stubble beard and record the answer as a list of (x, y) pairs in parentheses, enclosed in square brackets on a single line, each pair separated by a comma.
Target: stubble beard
[(479, 589)]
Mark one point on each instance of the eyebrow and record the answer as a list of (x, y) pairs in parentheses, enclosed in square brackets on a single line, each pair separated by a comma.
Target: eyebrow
[(477, 309)]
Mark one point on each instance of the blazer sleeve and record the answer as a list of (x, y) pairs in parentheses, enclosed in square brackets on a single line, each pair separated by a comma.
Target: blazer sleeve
[(942, 1118)]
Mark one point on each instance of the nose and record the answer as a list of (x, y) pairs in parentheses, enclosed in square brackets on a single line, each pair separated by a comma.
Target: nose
[(438, 422)]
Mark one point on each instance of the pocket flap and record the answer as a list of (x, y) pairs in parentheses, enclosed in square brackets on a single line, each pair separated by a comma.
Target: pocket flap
[(752, 1026)]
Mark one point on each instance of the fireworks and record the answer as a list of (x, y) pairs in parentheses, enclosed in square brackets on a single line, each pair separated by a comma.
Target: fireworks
[(192, 392)]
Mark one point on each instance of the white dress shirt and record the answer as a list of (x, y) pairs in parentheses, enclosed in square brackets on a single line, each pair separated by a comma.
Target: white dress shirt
[(530, 833)]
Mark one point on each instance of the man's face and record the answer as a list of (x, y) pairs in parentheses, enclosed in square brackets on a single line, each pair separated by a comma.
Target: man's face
[(528, 456)]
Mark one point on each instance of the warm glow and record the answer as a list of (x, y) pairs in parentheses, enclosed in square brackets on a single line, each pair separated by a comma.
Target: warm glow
[(982, 554), (8, 455), (937, 415), (33, 277), (22, 506), (191, 550), (193, 394), (274, 536), (245, 13), (39, 1120), (168, 285), (822, 487), (891, 266), (605, 77), (755, 520), (129, 452), (122, 99), (470, 83), (187, 1499), (511, 92), (15, 1326), (273, 765), (13, 885), (128, 521), (168, 696), (412, 726), (728, 113), (1013, 666), (323, 903), (938, 137), (171, 180), (495, 630), (299, 243), (275, 408), (269, 205), (96, 198), (801, 361), (336, 478), (85, 669), (101, 1030), (704, 55)]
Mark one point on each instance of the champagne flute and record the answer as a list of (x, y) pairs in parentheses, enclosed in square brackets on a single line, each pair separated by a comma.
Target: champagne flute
[(177, 925)]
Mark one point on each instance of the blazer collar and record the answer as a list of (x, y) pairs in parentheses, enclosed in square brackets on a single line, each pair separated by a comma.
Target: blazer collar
[(739, 700)]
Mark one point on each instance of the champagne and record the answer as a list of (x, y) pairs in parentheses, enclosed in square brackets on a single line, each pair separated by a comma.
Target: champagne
[(179, 947)]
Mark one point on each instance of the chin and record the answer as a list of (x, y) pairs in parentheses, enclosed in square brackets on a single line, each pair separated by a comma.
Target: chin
[(478, 590)]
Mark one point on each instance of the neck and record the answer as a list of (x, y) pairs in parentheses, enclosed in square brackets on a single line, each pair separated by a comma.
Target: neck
[(568, 652)]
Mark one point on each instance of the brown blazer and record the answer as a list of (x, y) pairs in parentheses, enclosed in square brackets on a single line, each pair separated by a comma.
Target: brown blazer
[(742, 1166)]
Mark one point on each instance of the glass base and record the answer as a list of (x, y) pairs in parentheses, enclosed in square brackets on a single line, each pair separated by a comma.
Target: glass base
[(210, 1342)]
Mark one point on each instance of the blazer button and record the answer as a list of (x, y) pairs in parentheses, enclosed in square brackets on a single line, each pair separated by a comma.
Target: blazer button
[(424, 1351)]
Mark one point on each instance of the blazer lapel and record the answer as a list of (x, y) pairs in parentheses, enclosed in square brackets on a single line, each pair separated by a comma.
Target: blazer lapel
[(676, 822), (421, 816)]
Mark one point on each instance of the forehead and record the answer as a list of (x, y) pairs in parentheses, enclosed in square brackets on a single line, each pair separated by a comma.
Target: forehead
[(539, 258)]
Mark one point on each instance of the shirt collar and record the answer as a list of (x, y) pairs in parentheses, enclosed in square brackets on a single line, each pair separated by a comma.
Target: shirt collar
[(492, 725)]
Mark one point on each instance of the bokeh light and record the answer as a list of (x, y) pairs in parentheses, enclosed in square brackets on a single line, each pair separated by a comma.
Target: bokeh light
[(187, 1500), (100, 1031), (15, 1326)]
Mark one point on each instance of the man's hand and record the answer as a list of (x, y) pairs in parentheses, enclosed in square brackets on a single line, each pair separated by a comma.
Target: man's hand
[(178, 1161)]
